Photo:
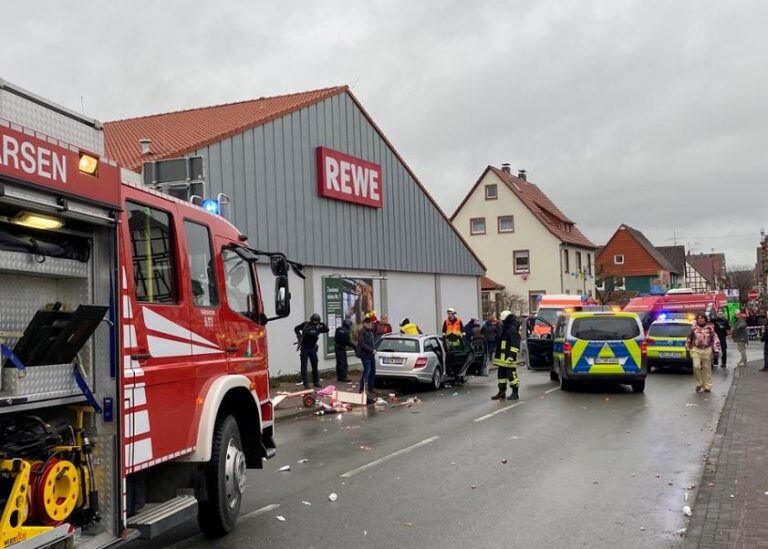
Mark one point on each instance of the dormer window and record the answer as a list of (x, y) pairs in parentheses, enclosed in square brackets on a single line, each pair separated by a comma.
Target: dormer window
[(491, 192)]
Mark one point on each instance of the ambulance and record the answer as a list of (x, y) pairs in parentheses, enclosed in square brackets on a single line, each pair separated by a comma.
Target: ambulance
[(677, 303), (134, 393), (551, 306)]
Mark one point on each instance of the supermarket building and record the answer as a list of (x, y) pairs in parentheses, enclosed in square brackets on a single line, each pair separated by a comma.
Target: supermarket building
[(312, 175)]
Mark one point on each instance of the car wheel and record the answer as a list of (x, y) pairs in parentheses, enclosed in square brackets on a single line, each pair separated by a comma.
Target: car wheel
[(553, 375), (638, 386), (437, 379), (224, 479)]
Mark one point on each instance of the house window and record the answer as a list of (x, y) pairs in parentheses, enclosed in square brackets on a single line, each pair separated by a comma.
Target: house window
[(477, 225), (618, 259), (491, 192), (566, 262), (618, 283), (600, 284), (578, 261), (506, 223), (589, 264), (522, 261)]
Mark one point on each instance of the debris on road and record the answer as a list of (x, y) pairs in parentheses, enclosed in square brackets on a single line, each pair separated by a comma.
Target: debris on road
[(455, 394), (281, 518), (380, 402), (303, 460), (333, 496), (504, 461), (692, 487), (681, 532), (406, 523), (685, 495), (473, 487), (306, 503), (285, 468), (687, 511)]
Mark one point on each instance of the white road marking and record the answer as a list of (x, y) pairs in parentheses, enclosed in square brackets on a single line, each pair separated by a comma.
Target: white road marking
[(499, 411), (552, 390), (257, 512), (367, 466)]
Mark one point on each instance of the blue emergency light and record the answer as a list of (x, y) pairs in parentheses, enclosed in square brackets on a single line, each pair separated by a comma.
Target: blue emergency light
[(210, 205)]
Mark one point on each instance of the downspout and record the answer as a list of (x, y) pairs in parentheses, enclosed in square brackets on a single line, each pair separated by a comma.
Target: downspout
[(562, 290)]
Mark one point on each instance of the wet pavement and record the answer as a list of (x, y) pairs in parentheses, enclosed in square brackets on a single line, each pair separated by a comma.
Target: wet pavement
[(598, 467)]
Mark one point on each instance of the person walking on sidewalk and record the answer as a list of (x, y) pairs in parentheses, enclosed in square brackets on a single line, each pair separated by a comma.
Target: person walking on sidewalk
[(307, 334), (505, 358), (741, 337), (703, 345), (342, 339), (764, 339), (721, 329), (366, 351)]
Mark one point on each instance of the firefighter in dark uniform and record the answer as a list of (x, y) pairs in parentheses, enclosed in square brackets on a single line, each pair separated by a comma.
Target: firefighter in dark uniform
[(505, 358)]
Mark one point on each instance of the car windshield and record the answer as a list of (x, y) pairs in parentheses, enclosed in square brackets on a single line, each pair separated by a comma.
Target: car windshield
[(670, 330), (398, 345), (550, 315), (605, 328)]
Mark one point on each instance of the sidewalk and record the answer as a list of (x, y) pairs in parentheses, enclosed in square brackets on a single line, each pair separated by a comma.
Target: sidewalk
[(731, 507)]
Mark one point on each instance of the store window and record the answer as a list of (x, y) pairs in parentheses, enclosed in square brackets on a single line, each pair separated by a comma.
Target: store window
[(152, 242), (491, 192), (618, 259), (566, 261), (521, 260), (506, 224), (238, 280), (201, 266), (477, 225)]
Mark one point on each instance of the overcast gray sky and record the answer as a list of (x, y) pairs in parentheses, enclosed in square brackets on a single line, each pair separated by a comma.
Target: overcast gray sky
[(650, 113)]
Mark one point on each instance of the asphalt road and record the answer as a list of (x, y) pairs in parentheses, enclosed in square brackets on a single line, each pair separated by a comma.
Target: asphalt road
[(600, 467)]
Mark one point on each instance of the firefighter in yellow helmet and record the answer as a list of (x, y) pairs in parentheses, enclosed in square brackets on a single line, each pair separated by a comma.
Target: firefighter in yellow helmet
[(505, 358)]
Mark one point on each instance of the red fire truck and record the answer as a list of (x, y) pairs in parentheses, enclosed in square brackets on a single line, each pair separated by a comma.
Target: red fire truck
[(679, 303), (135, 384)]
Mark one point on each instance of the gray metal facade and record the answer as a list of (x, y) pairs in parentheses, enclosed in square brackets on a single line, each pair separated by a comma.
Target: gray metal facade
[(271, 174)]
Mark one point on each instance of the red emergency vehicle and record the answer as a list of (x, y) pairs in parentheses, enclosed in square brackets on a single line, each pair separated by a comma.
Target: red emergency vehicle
[(679, 303), (135, 383)]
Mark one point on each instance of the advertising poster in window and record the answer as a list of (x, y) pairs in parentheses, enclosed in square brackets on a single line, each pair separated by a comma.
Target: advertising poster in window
[(345, 298)]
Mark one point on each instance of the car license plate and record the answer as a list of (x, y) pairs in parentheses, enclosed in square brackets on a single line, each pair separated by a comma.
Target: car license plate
[(392, 360), (607, 360), (669, 354)]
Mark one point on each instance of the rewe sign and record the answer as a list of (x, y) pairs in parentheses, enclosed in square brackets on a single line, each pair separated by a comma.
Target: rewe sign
[(344, 177)]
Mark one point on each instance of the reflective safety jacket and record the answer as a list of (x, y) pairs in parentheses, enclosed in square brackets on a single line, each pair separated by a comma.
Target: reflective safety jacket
[(410, 329), (455, 327), (508, 344)]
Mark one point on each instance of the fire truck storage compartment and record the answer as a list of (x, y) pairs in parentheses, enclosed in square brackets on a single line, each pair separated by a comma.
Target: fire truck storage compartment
[(58, 305)]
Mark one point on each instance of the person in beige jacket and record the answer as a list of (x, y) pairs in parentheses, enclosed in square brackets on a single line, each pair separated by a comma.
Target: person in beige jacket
[(704, 346)]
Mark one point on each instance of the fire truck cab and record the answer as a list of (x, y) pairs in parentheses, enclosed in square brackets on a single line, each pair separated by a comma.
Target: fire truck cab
[(135, 388)]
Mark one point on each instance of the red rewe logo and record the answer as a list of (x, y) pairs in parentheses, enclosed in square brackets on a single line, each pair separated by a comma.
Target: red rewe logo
[(344, 177)]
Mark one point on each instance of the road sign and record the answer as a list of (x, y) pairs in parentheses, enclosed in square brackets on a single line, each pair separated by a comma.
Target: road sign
[(753, 294)]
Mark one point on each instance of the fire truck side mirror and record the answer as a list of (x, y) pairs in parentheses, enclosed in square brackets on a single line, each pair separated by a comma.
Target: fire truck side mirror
[(279, 266), (282, 297)]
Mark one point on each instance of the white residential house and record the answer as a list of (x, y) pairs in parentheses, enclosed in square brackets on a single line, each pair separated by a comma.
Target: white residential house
[(526, 242)]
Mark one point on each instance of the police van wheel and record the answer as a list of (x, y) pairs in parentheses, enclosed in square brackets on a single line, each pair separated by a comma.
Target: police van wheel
[(638, 386), (553, 375), (224, 479)]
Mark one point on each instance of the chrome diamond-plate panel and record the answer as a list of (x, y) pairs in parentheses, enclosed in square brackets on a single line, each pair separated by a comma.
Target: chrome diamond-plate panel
[(106, 481), (40, 118), (53, 266), (40, 382)]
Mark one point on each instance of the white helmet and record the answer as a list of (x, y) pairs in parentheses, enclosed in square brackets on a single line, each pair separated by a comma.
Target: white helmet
[(504, 314), (451, 310)]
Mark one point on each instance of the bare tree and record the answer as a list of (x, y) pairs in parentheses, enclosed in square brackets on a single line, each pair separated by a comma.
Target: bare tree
[(508, 301), (742, 278)]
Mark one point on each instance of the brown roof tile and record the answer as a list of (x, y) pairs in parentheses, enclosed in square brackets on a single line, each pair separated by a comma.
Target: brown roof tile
[(181, 132), (488, 284)]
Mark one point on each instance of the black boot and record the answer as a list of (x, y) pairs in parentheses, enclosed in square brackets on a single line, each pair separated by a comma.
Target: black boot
[(514, 395), (501, 394)]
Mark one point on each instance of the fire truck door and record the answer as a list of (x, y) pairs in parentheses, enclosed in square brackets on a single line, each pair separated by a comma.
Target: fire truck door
[(246, 344)]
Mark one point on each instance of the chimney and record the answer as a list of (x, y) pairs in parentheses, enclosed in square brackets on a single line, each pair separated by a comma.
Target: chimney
[(146, 146), (505, 168), (521, 175)]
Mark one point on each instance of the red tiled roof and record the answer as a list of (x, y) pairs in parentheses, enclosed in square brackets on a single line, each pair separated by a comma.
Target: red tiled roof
[(486, 284), (540, 206), (181, 132)]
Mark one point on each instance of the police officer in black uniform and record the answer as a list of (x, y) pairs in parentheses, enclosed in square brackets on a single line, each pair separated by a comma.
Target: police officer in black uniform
[(505, 358), (307, 334), (342, 339), (721, 329)]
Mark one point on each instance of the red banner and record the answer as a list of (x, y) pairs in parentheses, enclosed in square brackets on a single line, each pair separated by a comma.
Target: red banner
[(27, 158), (344, 177)]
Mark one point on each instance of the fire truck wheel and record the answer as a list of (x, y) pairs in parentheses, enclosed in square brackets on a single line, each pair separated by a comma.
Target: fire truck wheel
[(225, 480)]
